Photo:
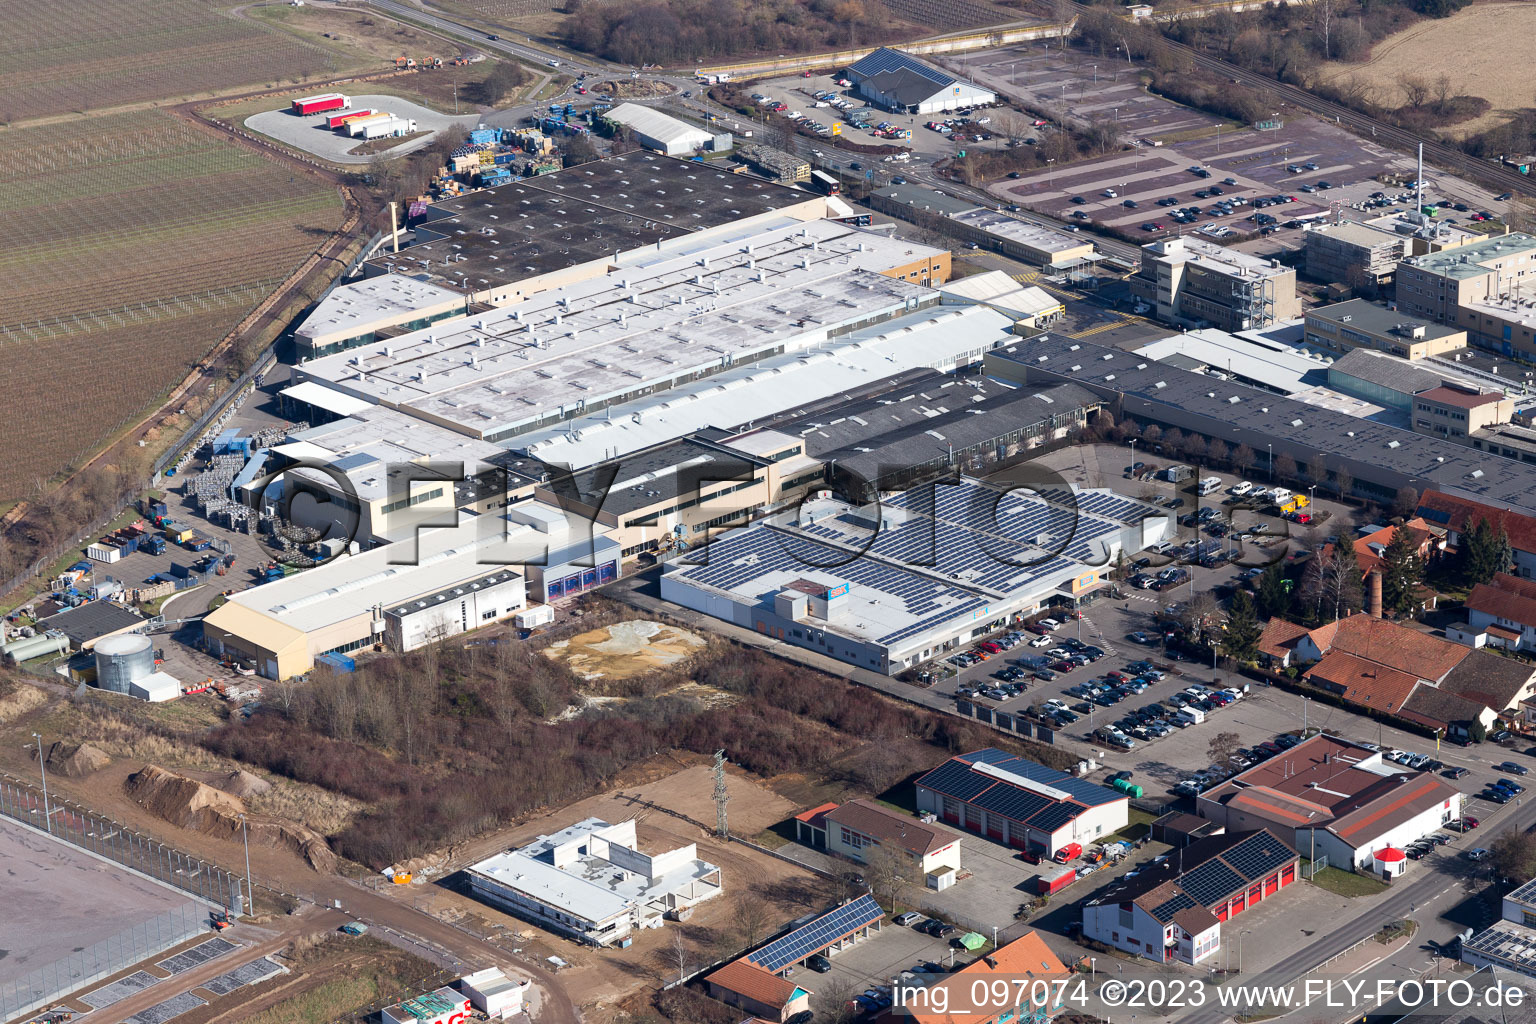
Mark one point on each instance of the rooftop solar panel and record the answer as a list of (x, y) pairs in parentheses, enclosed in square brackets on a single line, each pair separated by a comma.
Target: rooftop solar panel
[(1164, 911), (1053, 816), (1212, 882), (817, 935), (954, 779), (1012, 802), (1257, 856)]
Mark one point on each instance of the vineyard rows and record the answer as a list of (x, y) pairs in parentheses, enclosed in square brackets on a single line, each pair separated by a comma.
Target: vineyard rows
[(83, 54), (131, 256)]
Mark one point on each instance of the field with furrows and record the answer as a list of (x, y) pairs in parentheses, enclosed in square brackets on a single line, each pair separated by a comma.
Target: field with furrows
[(137, 242), (77, 55)]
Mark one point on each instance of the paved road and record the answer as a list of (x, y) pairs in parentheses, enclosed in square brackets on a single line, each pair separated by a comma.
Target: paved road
[(483, 41)]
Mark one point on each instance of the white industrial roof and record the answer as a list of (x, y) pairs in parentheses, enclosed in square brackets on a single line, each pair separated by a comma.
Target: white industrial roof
[(1272, 364), (436, 560), (364, 302), (1215, 257), (935, 337), (547, 357), (329, 399), (653, 124), (1035, 236), (366, 444), (590, 887), (996, 289)]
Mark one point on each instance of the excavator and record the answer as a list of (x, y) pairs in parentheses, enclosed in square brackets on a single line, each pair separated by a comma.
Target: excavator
[(405, 63), (431, 63)]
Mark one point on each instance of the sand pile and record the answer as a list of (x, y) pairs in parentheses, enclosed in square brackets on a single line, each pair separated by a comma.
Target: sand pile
[(76, 760), (243, 784), (196, 805)]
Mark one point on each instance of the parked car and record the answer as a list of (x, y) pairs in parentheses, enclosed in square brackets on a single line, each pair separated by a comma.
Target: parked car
[(1455, 772), (1477, 854), (1512, 767), (818, 963), (910, 917)]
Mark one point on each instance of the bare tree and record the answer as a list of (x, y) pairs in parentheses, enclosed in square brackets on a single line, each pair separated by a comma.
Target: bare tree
[(676, 955), (752, 917), (1323, 13), (1223, 746), (888, 871), (1415, 90), (1443, 93)]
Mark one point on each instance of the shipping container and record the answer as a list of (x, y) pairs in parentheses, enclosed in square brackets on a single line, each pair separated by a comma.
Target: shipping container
[(1046, 885), (337, 120), (389, 128), (337, 661), (538, 615), (103, 552), (320, 104), (355, 128)]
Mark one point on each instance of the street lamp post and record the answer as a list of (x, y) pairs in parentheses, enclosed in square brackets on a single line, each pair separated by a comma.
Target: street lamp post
[(250, 894), (47, 809), (1093, 967), (1271, 448), (1304, 702)]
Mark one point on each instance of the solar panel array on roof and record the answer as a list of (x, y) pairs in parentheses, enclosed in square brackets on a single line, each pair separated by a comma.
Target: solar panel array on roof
[(1012, 802), (885, 61), (1164, 911), (1257, 856), (818, 935), (955, 779), (1212, 882)]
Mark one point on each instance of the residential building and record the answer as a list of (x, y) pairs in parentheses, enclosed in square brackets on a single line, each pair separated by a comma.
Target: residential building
[(590, 882), (986, 228), (662, 132), (758, 982), (887, 585), (1025, 968), (1020, 803), (1174, 909), (860, 825), (1508, 602), (1330, 797), (1369, 547), (1359, 255), (897, 82), (1456, 515), (1194, 282), (1478, 287), (1344, 326)]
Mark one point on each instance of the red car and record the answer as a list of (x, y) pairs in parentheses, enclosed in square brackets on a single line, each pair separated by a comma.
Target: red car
[(991, 648), (1064, 666), (1471, 822), (1037, 629)]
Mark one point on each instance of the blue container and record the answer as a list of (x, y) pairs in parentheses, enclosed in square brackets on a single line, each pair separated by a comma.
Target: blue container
[(339, 662), (484, 135)]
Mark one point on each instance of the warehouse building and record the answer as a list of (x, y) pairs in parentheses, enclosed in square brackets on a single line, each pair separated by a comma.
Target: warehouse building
[(897, 82), (1360, 324), (443, 582), (1379, 458), (85, 624), (502, 244), (661, 132), (935, 424), (1330, 797), (659, 324), (591, 882), (1174, 910), (1355, 254), (352, 314), (989, 229), (1196, 283), (1250, 358), (1433, 403), (1029, 305), (1020, 803), (889, 585)]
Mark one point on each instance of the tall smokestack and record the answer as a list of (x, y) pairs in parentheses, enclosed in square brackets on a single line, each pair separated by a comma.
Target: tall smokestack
[(394, 230), (1375, 597)]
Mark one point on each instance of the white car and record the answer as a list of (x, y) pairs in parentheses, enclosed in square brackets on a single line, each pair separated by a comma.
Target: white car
[(1056, 704), (1049, 624), (1040, 641), (553, 63), (1238, 490)]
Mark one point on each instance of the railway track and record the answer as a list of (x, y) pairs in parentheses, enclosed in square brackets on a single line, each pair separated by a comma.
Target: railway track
[(1447, 157)]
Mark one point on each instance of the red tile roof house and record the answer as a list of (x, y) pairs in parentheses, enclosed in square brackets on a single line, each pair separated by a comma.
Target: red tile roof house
[(1454, 515), (1330, 797), (1397, 670), (1503, 611)]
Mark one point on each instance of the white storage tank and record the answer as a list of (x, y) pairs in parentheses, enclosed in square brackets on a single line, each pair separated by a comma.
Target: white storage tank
[(124, 660), (35, 647)]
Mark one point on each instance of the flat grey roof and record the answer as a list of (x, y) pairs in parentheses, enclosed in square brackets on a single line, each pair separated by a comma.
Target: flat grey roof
[(577, 215), (91, 620), (426, 601), (1387, 371), (1375, 318), (1226, 408)]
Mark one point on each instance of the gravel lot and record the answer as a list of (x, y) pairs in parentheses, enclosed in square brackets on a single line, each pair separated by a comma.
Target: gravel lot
[(311, 135)]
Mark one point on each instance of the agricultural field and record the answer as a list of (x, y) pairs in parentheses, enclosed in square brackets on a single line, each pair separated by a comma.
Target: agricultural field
[(1475, 48), (138, 241), (77, 55)]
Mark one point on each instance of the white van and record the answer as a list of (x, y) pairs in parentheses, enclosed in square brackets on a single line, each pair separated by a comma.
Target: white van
[(1238, 490), (1208, 485), (1191, 716), (1280, 495)]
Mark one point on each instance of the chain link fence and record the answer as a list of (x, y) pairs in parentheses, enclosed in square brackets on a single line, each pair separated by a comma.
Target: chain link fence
[(38, 989), (112, 841)]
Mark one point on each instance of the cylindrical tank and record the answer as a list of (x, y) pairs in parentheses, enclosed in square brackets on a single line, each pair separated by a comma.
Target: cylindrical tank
[(36, 647), (123, 659)]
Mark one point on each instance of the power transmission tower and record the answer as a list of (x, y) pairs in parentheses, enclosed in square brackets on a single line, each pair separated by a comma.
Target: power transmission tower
[(722, 797)]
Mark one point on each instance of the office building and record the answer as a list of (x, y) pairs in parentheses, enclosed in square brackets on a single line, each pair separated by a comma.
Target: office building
[(1194, 282), (1480, 288), (1357, 323), (1358, 255)]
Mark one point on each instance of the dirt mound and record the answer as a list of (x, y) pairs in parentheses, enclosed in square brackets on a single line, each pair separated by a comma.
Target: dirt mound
[(635, 88), (196, 805), (243, 784), (76, 760)]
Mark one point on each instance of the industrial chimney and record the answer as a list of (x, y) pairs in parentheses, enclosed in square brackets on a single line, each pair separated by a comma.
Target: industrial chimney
[(1375, 594)]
